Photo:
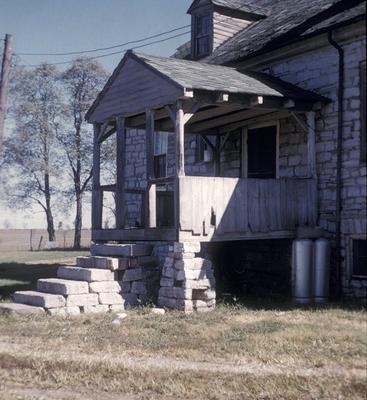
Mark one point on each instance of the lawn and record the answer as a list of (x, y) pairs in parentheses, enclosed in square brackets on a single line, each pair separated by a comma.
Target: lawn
[(242, 351), (19, 270), (235, 352)]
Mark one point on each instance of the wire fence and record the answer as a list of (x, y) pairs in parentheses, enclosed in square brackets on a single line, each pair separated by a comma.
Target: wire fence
[(37, 239)]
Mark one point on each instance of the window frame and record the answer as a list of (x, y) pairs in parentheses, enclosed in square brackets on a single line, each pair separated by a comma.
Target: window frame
[(350, 264), (198, 36)]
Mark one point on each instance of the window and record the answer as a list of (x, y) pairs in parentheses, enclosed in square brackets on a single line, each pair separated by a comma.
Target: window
[(359, 266), (202, 40), (363, 110), (203, 151), (160, 154)]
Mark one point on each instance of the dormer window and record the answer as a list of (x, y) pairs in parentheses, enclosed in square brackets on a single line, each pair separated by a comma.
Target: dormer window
[(202, 35)]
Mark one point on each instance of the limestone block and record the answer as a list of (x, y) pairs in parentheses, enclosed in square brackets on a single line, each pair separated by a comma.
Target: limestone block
[(85, 274), (194, 263), (157, 311), (138, 288), (117, 308), (168, 272), (181, 293), (105, 263), (166, 282), (201, 284), (100, 308), (167, 302), (82, 300), (193, 274), (168, 262), (125, 287), (186, 247), (167, 292), (131, 299), (208, 294), (119, 250), (105, 287), (62, 286), (20, 309), (39, 299), (133, 274), (64, 311), (110, 298)]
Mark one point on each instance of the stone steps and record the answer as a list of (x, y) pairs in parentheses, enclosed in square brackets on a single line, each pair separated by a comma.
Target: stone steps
[(39, 299), (121, 250), (20, 309), (85, 274), (62, 286)]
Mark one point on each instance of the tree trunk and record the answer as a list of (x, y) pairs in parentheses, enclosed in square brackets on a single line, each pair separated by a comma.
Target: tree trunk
[(48, 211), (78, 222)]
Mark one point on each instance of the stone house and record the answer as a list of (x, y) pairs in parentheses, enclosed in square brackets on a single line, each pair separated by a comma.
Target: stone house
[(252, 135)]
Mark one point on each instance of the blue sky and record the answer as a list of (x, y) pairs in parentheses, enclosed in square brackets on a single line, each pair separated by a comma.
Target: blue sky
[(73, 25), (49, 26)]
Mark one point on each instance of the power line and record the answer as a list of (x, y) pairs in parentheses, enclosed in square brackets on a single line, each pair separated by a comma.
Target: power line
[(105, 48), (114, 53)]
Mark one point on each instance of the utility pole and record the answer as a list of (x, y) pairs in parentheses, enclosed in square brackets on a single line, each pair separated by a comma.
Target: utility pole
[(5, 69)]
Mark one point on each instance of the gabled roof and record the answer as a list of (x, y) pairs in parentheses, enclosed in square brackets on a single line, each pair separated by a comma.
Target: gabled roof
[(287, 21), (182, 74)]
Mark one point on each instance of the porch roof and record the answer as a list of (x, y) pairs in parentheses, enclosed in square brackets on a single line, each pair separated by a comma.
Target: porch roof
[(141, 81)]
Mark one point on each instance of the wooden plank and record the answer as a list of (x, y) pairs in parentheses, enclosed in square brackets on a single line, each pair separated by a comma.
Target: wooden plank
[(152, 210), (120, 173), (149, 143), (97, 194), (164, 234)]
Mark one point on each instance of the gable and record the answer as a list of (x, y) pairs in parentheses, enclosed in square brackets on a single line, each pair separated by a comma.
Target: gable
[(131, 90)]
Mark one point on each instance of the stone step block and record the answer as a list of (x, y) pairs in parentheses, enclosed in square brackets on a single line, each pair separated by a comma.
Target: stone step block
[(121, 250), (39, 299), (110, 298), (133, 274), (20, 309), (193, 274), (85, 274), (62, 286), (64, 311), (193, 263), (186, 247), (117, 308), (201, 284), (98, 262), (99, 309), (138, 288), (82, 300), (105, 287)]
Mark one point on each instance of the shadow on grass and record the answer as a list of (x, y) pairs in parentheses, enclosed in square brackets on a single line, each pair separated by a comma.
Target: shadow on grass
[(20, 276), (285, 303)]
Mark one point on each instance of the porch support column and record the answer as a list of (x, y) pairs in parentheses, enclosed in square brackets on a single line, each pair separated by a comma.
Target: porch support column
[(120, 173), (180, 140), (150, 200), (97, 194)]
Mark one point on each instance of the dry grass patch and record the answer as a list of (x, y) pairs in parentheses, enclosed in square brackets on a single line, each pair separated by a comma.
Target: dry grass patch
[(231, 353)]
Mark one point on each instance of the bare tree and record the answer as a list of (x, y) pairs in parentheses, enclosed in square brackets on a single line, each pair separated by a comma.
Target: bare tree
[(30, 163), (82, 82)]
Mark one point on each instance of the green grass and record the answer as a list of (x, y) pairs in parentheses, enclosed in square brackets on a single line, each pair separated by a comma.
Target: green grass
[(19, 270)]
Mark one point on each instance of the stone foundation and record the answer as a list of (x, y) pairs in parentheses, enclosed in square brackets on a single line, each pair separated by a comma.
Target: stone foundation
[(187, 281)]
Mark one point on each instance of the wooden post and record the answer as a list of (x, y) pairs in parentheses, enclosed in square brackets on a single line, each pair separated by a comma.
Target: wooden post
[(120, 173), (150, 212), (217, 154), (180, 140), (311, 139), (97, 195), (4, 80)]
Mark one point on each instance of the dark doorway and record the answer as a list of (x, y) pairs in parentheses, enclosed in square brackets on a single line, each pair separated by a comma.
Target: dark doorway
[(165, 209), (261, 150)]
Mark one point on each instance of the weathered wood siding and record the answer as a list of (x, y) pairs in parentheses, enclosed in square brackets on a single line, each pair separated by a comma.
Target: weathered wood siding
[(225, 27), (134, 89), (246, 205)]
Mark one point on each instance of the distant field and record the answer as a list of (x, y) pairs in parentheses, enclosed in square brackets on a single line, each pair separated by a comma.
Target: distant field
[(19, 270), (232, 353)]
